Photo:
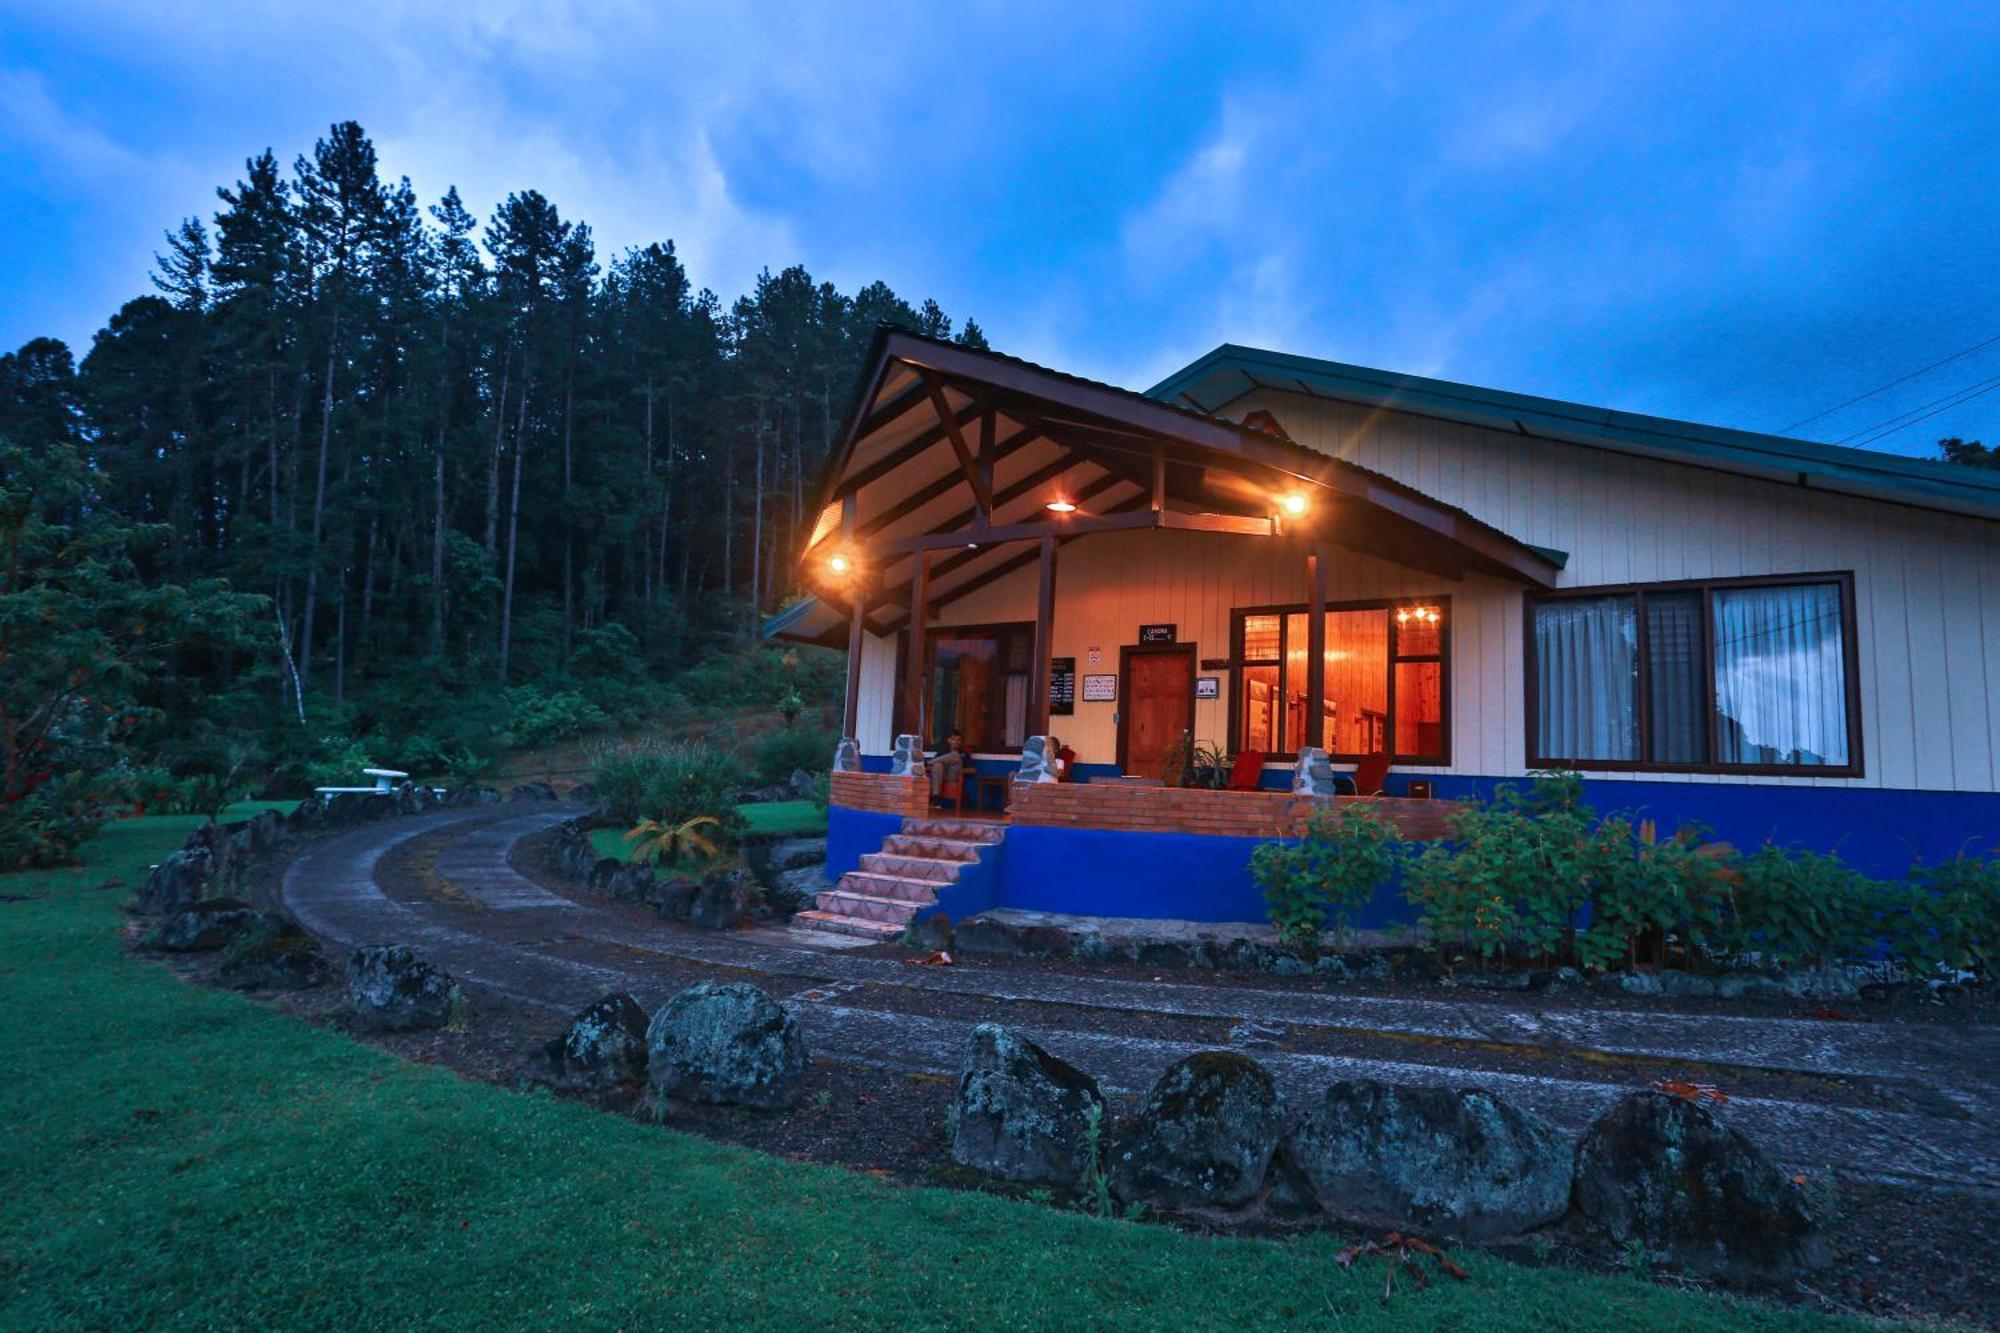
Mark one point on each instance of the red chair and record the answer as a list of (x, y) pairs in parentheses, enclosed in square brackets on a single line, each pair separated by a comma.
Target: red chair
[(1368, 774), (1248, 773)]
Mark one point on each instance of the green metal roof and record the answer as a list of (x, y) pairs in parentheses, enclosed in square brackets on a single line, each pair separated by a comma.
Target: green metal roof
[(1231, 371)]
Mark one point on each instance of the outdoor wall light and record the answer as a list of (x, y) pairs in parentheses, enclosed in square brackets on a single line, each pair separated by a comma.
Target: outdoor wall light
[(840, 564), (1293, 504)]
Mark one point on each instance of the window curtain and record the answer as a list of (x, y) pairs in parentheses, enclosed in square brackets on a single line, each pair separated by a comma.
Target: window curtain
[(1780, 676), (1676, 681), (1586, 665)]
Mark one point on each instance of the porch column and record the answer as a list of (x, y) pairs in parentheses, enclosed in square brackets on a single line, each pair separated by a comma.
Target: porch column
[(1045, 619), (857, 604), (1316, 573), (913, 666)]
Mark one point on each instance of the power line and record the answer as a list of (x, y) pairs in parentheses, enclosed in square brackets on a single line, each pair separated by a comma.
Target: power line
[(1922, 412), (1963, 352)]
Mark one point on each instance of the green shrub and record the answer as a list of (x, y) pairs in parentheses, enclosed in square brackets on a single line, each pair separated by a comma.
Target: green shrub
[(45, 827), (1515, 874), (670, 783), (1792, 906), (1948, 917), (537, 717), (1328, 875), (1647, 896), (781, 753)]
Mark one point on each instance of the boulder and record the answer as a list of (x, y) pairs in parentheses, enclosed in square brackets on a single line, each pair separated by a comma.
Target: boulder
[(801, 784), (603, 1047), (393, 989), (1022, 1114), (602, 871), (583, 794), (631, 883), (472, 796), (934, 933), (347, 808), (307, 814), (797, 890), (674, 898), (723, 901), (177, 882), (727, 1043), (1460, 1163), (272, 953), (260, 832), (532, 791), (205, 926), (1664, 1172), (1204, 1138), (797, 853)]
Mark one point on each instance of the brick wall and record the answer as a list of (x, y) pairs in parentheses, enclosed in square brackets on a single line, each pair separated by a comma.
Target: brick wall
[(1237, 814), (882, 793)]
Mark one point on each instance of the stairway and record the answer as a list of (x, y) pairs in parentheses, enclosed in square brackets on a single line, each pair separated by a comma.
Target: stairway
[(879, 900)]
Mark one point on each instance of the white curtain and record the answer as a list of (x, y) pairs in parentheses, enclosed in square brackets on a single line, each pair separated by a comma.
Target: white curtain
[(1017, 711), (1586, 665), (1780, 676)]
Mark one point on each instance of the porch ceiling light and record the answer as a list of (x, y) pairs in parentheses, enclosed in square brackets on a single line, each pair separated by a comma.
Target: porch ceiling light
[(1061, 505)]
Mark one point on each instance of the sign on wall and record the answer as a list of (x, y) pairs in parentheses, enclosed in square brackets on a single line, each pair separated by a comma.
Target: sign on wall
[(1207, 687), (1062, 686), (1159, 633), (1100, 689)]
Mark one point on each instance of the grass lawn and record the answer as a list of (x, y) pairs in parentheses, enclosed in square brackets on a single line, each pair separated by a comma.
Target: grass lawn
[(178, 1157)]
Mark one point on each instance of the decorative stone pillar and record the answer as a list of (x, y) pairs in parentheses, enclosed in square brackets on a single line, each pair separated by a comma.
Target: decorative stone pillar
[(908, 759), (847, 755), (1038, 759), (1313, 774)]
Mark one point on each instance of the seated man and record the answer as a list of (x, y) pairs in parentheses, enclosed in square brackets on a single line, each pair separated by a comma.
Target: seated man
[(948, 771)]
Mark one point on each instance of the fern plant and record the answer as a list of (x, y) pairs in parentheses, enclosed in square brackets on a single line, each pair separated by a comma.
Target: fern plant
[(666, 843)]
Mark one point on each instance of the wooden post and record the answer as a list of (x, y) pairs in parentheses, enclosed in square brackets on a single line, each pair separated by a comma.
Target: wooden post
[(1316, 569), (1045, 619), (913, 666), (1159, 477), (857, 601)]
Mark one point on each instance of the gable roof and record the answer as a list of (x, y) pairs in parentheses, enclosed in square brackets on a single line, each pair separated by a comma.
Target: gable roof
[(1230, 371)]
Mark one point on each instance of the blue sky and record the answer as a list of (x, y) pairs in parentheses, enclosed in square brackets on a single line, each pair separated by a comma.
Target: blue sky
[(1734, 214)]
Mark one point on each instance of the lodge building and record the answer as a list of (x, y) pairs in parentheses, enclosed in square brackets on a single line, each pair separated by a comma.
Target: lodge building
[(1266, 553)]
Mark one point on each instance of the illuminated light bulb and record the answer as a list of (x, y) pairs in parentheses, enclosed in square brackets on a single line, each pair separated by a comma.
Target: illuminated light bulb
[(1061, 506), (839, 564), (1293, 504)]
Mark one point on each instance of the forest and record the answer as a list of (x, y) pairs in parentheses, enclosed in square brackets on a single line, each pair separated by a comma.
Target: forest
[(368, 478)]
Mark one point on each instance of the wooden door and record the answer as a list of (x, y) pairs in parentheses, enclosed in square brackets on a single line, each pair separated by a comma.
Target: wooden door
[(1156, 707)]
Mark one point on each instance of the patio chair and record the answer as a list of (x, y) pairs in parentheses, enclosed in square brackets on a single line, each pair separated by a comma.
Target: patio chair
[(1248, 773), (1368, 774)]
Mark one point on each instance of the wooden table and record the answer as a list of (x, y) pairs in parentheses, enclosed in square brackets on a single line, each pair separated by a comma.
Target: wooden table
[(997, 783)]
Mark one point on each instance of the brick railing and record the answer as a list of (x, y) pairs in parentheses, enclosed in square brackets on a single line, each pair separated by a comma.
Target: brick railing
[(1235, 814), (882, 793)]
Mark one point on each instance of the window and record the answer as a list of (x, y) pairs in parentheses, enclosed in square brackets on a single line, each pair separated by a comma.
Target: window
[(1385, 680), (979, 685), (1742, 675)]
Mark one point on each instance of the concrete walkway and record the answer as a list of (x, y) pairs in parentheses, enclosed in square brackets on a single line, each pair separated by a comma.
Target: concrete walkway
[(505, 932)]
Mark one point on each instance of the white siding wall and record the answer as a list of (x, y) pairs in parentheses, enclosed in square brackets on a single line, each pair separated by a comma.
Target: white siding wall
[(1927, 587), (875, 708)]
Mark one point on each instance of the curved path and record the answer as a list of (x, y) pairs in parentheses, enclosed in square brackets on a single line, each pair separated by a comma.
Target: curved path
[(455, 896)]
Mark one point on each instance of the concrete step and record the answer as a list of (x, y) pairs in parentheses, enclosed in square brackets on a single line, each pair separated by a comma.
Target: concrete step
[(932, 849), (840, 924), (958, 830), (931, 869), (902, 888), (846, 902)]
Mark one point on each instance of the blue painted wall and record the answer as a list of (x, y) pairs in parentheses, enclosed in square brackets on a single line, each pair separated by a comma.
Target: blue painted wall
[(1196, 877)]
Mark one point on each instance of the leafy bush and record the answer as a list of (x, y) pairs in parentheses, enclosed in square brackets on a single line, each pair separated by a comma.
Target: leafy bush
[(1791, 906), (1516, 873), (670, 784), (537, 717), (1647, 896), (1327, 875), (1949, 918), (45, 827), (780, 753)]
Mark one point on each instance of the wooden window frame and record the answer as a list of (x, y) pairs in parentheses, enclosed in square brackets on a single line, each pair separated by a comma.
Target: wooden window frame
[(1395, 657), (1850, 645), (932, 633)]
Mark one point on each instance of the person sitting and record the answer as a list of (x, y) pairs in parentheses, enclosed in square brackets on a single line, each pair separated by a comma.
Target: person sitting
[(948, 771)]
